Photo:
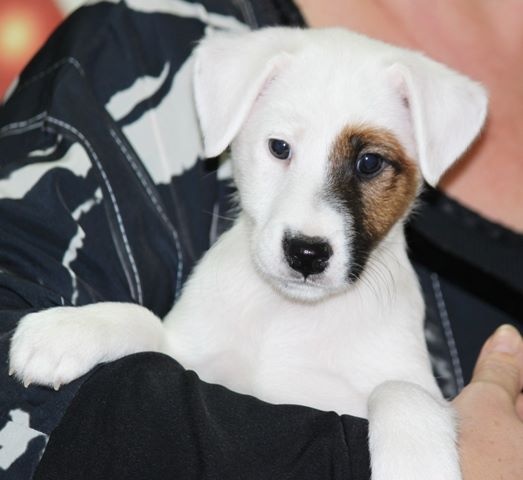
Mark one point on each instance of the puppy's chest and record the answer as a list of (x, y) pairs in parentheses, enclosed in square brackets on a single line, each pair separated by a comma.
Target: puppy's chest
[(328, 357), (307, 359)]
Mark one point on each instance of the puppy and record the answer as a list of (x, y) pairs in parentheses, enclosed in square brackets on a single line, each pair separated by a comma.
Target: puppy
[(309, 298)]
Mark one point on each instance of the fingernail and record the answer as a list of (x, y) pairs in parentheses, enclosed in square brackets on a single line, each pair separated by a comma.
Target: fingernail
[(506, 340)]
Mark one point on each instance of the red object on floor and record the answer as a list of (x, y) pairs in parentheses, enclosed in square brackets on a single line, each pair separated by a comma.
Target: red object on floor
[(24, 27)]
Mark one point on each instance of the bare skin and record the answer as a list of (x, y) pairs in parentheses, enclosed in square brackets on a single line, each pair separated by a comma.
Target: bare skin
[(482, 38), (490, 409)]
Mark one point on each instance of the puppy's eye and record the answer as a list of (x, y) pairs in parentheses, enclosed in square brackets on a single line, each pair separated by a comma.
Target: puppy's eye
[(369, 165), (279, 148)]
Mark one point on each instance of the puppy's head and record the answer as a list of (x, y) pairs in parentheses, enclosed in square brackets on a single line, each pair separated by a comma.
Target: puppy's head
[(330, 135)]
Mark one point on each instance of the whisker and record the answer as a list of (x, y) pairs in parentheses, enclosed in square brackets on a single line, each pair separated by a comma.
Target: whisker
[(217, 215)]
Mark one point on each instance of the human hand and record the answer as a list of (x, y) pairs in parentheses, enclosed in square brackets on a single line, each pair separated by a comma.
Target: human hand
[(490, 410)]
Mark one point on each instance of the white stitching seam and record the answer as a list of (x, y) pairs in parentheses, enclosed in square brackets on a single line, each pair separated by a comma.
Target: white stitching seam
[(158, 207), (79, 135), (75, 63), (23, 125), (447, 329)]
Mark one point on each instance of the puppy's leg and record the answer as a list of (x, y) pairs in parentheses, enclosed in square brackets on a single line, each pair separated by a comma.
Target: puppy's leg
[(58, 345), (412, 434)]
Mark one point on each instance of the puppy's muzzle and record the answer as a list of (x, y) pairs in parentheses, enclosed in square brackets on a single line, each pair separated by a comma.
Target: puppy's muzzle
[(306, 255)]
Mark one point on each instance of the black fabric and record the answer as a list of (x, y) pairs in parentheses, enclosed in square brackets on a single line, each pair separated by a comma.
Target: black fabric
[(274, 13), (145, 417), (469, 277), (92, 224), (471, 273), (87, 213), (449, 237)]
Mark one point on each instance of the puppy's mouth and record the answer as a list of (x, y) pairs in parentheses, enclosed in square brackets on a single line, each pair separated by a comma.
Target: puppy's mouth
[(297, 287), (305, 290), (296, 280)]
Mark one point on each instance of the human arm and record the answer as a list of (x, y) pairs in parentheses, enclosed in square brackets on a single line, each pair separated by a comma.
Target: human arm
[(144, 416)]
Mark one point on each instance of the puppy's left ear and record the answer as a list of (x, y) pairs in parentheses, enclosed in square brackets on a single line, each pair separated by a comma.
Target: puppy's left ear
[(230, 72), (447, 110)]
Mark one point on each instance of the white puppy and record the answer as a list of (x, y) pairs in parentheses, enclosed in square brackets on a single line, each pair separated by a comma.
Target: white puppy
[(309, 298)]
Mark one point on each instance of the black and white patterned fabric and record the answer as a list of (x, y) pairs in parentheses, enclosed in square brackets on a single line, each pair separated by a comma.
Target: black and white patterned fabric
[(104, 196)]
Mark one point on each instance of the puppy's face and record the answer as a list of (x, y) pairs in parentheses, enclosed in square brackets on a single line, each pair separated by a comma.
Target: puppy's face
[(331, 133), (323, 176)]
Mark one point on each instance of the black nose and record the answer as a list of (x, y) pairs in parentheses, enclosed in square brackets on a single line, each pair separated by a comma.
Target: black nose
[(307, 255)]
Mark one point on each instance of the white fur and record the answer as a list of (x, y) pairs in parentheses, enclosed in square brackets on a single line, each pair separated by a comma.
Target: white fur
[(56, 346), (248, 321)]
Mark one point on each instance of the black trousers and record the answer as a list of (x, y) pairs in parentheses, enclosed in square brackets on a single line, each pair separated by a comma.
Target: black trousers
[(145, 417)]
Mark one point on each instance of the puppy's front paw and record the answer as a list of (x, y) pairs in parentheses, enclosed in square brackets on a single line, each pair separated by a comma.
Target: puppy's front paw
[(53, 347), (412, 434), (56, 346)]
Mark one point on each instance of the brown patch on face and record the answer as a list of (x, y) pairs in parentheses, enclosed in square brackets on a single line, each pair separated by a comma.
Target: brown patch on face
[(375, 204)]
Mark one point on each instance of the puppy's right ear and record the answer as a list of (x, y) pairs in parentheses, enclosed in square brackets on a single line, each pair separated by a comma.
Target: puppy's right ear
[(230, 72)]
